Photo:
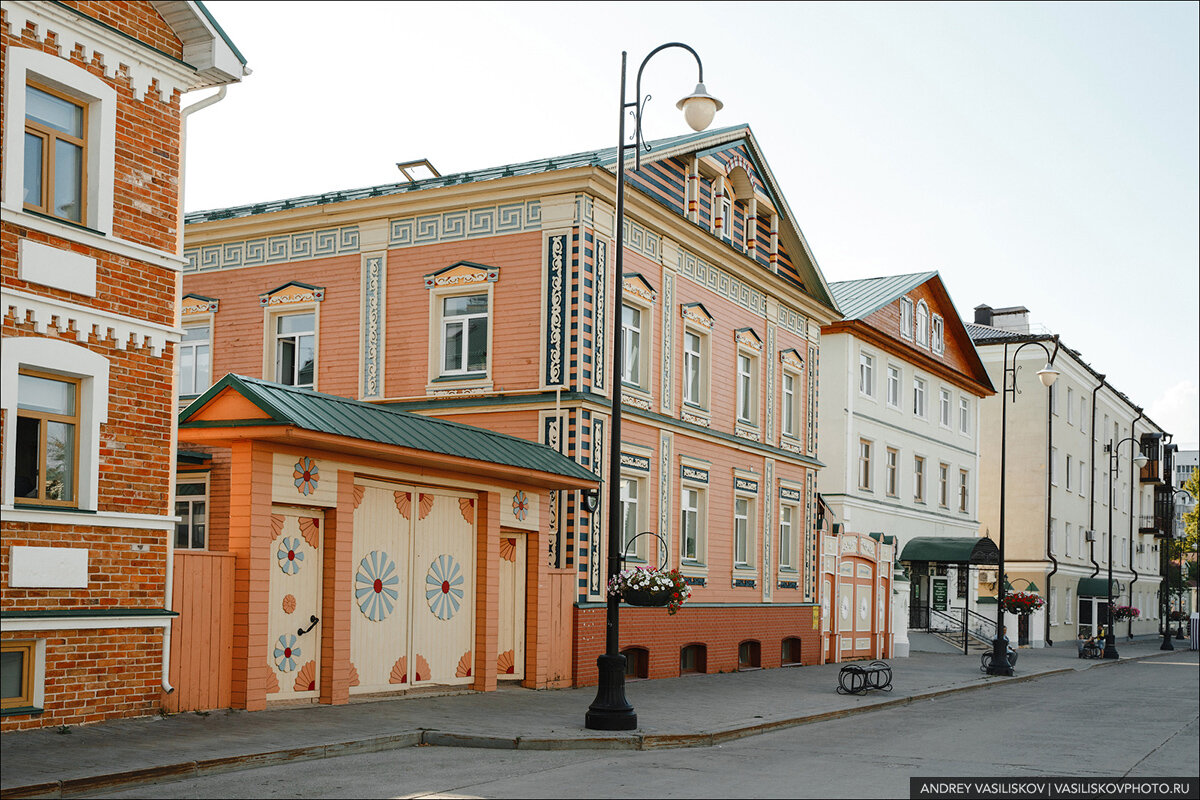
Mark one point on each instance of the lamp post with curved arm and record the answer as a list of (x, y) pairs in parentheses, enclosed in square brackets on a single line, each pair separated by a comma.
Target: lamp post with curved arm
[(611, 711), (1139, 461), (999, 664)]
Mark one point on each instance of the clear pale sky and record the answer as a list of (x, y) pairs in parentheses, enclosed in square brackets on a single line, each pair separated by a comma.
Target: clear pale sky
[(1041, 154)]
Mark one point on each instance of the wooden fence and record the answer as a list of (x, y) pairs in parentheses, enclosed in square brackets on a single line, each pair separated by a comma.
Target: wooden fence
[(202, 634)]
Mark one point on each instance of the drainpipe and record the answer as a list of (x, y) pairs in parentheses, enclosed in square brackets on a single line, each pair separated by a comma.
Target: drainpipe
[(169, 590), (1049, 530), (1092, 487), (1133, 482)]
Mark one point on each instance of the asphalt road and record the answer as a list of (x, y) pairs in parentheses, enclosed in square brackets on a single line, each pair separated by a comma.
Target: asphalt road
[(1137, 718)]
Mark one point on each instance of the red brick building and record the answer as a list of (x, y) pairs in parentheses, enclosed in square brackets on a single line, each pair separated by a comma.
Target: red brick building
[(89, 270), (488, 298)]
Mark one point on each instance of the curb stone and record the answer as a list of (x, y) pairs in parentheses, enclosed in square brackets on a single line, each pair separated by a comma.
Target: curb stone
[(78, 786)]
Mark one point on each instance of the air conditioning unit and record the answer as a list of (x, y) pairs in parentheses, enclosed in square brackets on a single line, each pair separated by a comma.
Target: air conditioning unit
[(1090, 536), (987, 575)]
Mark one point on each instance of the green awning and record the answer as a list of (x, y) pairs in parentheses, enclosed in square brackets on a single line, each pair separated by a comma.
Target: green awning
[(951, 550), (1097, 587)]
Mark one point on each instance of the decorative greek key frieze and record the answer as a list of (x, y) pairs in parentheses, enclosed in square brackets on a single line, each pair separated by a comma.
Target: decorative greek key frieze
[(272, 249), (585, 210), (465, 223), (556, 309), (792, 321), (721, 282), (642, 240)]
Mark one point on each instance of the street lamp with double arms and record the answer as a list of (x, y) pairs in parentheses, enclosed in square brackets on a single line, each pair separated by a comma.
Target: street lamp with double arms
[(1047, 375), (611, 711)]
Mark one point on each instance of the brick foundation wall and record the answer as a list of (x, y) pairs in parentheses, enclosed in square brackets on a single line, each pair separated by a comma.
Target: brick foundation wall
[(720, 629), (94, 675)]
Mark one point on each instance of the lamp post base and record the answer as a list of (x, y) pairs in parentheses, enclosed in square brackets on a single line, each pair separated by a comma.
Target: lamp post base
[(1179, 637), (610, 711), (1166, 642), (1110, 647), (999, 665)]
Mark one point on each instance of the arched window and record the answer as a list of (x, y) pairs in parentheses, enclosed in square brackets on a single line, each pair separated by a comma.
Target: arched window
[(749, 655), (693, 659), (637, 662), (790, 652), (922, 324)]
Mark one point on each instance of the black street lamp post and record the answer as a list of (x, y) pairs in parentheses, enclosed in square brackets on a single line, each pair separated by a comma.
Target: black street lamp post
[(1139, 461), (1179, 629), (611, 711), (1047, 375)]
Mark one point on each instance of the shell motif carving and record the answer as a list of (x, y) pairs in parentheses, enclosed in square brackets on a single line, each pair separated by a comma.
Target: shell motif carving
[(505, 664), (310, 529), (289, 603), (354, 681), (306, 679), (276, 526), (404, 504), (508, 549), (426, 505), (464, 666), (399, 671), (421, 673), (466, 506), (272, 682), (359, 491)]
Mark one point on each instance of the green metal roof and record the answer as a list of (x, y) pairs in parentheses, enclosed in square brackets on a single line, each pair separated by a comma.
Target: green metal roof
[(340, 416), (590, 158), (951, 550), (859, 298)]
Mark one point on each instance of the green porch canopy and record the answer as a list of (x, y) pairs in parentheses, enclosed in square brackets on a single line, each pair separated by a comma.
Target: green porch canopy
[(951, 550), (1097, 587)]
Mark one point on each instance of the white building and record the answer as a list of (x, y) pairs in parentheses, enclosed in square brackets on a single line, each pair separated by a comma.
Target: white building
[(1069, 501), (900, 435)]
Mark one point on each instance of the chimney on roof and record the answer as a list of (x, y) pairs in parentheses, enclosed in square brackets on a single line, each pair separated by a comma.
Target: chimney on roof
[(983, 315), (1014, 319)]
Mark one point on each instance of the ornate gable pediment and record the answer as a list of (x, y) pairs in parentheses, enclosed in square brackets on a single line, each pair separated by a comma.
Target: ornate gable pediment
[(462, 273), (697, 313), (199, 304), (637, 286), (292, 293), (792, 358), (746, 337)]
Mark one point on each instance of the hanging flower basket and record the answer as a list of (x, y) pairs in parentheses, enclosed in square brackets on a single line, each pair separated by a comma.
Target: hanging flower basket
[(1176, 615), (1122, 613), (1022, 603), (642, 586)]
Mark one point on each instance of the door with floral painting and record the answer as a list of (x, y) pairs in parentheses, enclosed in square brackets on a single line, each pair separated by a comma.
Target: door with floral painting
[(443, 584), (510, 662), (294, 631)]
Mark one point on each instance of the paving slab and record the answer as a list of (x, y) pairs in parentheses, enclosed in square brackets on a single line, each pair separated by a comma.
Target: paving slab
[(691, 711)]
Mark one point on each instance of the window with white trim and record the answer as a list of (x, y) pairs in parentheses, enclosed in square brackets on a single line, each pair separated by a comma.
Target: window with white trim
[(790, 412), (1070, 406), (964, 416), (17, 670), (697, 359), (747, 387), (465, 322), (195, 366), (864, 464), (743, 532), (1054, 536), (866, 374), (906, 317), (938, 335), (191, 507), (55, 153), (921, 333), (964, 488), (919, 408), (631, 358), (892, 467), (632, 517), (1054, 466), (294, 345), (893, 386), (1068, 539), (944, 485), (1082, 475), (1068, 471), (787, 537), (919, 479), (944, 407), (691, 524)]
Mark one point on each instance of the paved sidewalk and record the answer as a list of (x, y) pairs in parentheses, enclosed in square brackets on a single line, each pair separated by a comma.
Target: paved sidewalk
[(693, 711)]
